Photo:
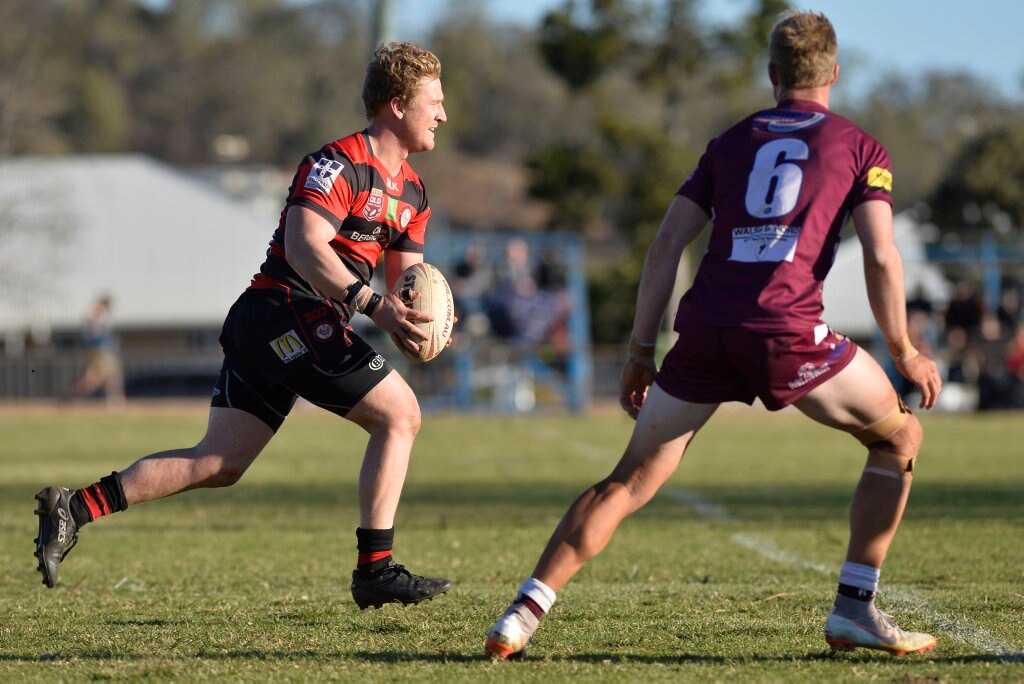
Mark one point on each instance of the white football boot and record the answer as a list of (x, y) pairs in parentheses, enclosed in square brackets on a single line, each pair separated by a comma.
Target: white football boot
[(874, 630), (510, 634)]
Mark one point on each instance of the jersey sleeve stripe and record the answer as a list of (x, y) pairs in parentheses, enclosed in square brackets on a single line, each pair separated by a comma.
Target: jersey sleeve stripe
[(319, 209)]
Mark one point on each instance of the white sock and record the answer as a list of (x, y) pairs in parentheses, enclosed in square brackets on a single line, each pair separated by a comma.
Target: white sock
[(861, 576), (540, 593)]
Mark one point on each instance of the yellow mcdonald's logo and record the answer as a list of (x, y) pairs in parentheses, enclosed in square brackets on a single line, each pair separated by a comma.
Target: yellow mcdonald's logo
[(288, 346)]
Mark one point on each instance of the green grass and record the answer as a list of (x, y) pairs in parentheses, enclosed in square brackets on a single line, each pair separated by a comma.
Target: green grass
[(251, 582)]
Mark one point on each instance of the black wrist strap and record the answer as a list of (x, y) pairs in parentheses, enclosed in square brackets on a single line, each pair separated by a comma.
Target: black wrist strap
[(351, 291), (371, 305)]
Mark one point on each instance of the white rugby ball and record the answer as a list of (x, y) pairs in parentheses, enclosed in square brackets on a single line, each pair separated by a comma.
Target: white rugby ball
[(436, 299)]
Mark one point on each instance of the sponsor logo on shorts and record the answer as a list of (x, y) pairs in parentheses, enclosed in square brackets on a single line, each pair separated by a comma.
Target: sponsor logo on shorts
[(808, 372), (325, 331), (377, 362), (288, 347), (838, 348), (323, 174), (216, 391)]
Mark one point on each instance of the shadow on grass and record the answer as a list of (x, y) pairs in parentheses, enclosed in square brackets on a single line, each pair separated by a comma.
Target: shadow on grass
[(995, 501), (443, 657)]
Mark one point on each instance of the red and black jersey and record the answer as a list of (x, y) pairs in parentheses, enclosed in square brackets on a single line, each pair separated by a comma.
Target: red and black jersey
[(371, 210), (779, 186)]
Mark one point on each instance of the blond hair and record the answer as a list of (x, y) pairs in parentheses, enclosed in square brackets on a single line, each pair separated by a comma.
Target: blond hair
[(803, 50), (396, 71)]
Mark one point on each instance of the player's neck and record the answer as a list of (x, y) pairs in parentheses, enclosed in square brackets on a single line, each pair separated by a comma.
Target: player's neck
[(819, 95), (387, 148)]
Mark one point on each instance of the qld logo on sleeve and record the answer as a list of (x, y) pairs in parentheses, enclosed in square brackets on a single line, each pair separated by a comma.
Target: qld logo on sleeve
[(764, 243), (288, 347), (323, 174)]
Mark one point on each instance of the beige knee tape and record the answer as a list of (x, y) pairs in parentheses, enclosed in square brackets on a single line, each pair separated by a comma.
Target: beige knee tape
[(884, 428)]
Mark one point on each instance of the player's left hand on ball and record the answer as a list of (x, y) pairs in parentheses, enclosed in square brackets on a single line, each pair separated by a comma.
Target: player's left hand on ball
[(399, 321)]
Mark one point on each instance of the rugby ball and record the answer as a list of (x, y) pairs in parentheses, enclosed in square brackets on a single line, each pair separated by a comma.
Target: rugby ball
[(435, 297)]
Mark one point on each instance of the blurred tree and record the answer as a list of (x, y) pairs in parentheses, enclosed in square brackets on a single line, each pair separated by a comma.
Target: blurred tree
[(580, 48), (986, 180), (34, 78), (502, 99), (924, 122)]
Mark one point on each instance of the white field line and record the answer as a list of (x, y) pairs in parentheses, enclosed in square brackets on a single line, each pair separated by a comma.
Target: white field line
[(959, 628)]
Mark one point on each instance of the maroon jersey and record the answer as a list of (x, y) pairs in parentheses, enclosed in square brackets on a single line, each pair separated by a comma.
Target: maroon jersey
[(370, 210), (779, 186)]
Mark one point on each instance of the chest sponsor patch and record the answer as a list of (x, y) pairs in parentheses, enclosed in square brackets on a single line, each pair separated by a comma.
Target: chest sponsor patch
[(374, 206), (288, 347), (764, 243), (323, 174)]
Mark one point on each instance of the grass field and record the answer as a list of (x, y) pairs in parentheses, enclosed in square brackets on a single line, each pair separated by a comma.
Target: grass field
[(726, 576)]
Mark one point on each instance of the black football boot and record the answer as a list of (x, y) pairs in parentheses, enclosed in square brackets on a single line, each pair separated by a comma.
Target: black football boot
[(58, 532), (395, 584)]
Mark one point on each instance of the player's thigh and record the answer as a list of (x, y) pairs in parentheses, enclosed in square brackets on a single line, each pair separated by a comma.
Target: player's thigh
[(391, 403), (858, 395), (236, 435), (664, 428)]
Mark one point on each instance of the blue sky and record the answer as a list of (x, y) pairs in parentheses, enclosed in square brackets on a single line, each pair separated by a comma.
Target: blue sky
[(983, 37)]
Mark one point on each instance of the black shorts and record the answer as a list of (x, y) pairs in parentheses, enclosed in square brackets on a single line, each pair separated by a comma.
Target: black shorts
[(279, 346)]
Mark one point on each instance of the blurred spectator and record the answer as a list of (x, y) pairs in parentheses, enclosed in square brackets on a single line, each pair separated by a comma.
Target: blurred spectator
[(102, 361), (965, 310), (513, 285), (1015, 354), (919, 302), (1009, 306), (470, 286)]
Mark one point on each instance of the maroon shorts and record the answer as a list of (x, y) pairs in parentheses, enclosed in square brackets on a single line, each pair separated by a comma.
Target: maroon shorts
[(710, 365)]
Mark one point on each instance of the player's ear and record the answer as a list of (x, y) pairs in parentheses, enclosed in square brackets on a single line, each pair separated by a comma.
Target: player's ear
[(397, 108), (835, 74), (773, 74)]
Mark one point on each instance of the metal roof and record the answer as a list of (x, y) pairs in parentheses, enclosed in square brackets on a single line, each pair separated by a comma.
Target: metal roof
[(170, 250)]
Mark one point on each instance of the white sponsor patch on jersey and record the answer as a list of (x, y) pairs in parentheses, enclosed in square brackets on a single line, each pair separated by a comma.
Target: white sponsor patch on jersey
[(323, 174), (764, 243)]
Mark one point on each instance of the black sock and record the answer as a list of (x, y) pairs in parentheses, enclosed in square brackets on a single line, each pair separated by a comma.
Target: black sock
[(98, 499), (853, 592), (374, 548)]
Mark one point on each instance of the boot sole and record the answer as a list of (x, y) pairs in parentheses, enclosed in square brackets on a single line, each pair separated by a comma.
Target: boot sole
[(381, 603), (498, 650), (43, 508), (847, 646)]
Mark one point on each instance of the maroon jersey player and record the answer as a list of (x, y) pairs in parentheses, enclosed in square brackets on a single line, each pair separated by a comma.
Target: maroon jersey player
[(287, 335), (778, 188)]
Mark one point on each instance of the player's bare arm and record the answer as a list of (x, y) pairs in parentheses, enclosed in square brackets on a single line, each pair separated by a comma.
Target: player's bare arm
[(683, 221), (883, 271), (307, 243)]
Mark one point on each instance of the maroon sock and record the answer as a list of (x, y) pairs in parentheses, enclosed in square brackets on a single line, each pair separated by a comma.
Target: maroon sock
[(532, 605)]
